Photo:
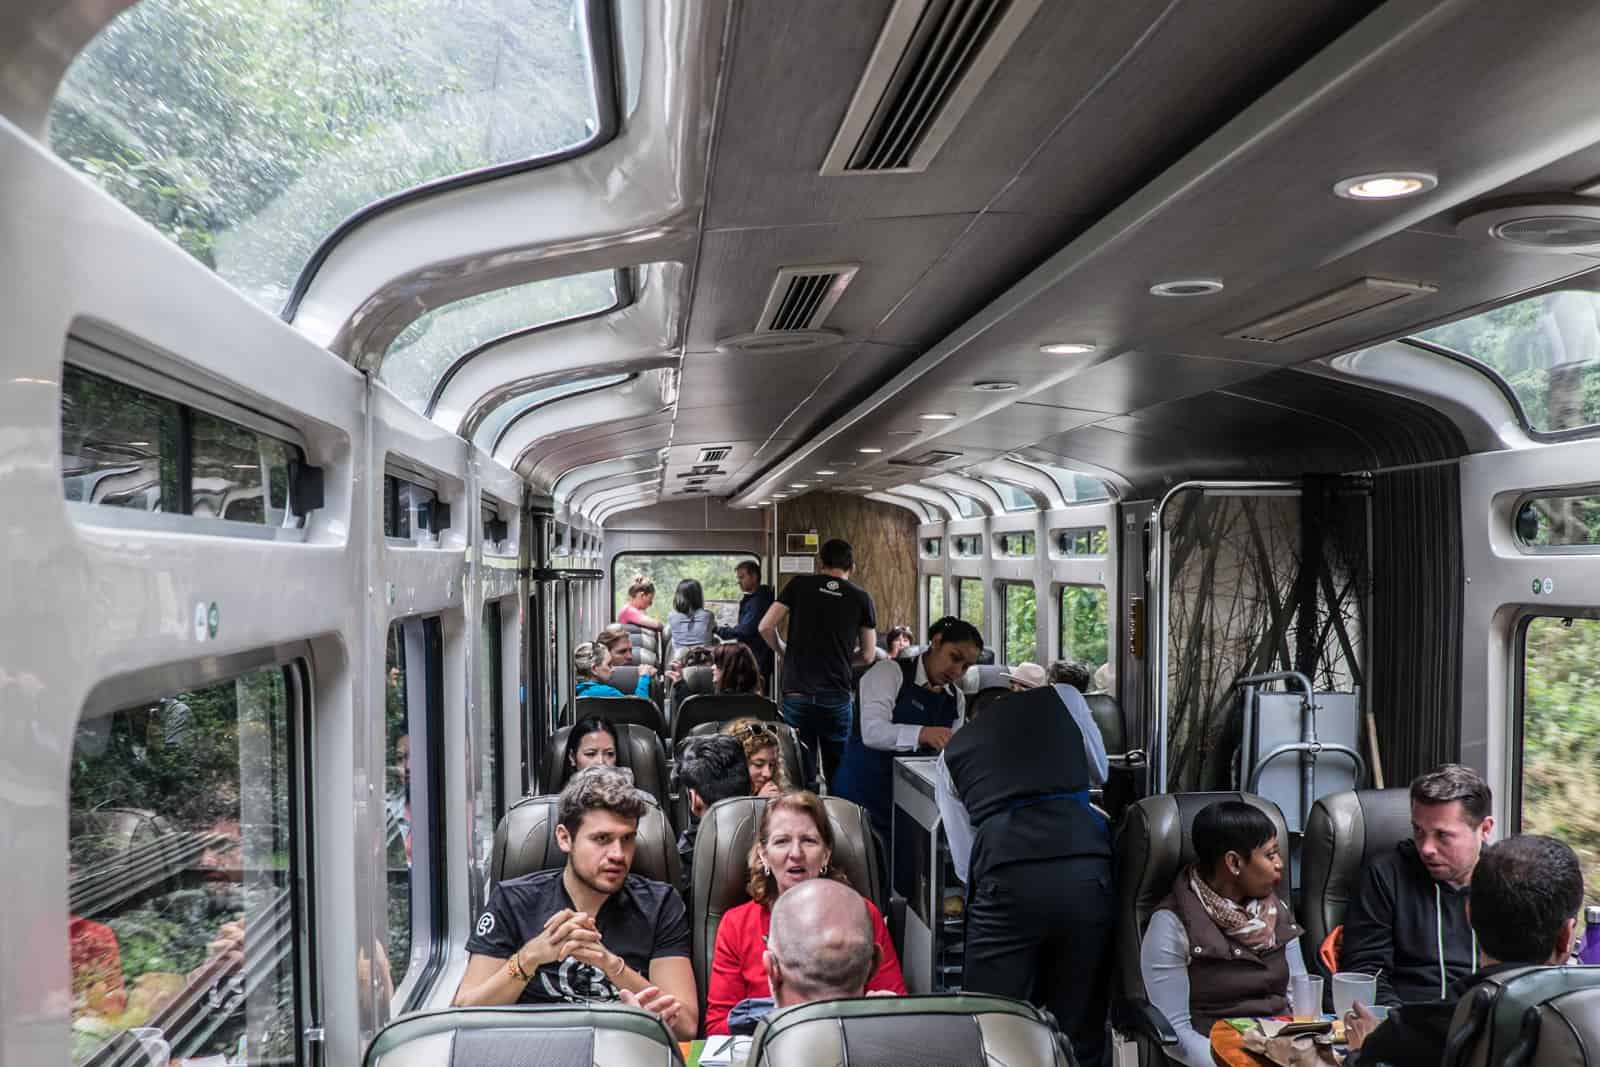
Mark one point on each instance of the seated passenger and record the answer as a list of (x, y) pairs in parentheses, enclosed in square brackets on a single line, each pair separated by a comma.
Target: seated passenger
[(822, 946), (734, 669), (594, 666), (592, 743), (616, 640), (1070, 672), (763, 755), (694, 657), (710, 769), (1407, 922), (689, 621), (641, 594), (1223, 942), (589, 930), (898, 640), (795, 845), (1025, 676), (1526, 892)]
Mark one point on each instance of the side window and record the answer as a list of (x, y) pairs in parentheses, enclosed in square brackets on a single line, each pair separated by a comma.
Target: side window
[(1021, 631), (185, 877), (1560, 780), (487, 806), (1083, 625), (969, 601), (413, 839), (935, 599), (411, 511), (719, 585)]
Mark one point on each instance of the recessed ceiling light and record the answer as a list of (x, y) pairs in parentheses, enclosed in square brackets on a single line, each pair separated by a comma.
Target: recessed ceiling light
[(763, 501), (244, 466), (904, 433), (138, 444), (1187, 287), (1066, 348), (1388, 185), (993, 387), (827, 474), (864, 488), (869, 451), (798, 485), (937, 416)]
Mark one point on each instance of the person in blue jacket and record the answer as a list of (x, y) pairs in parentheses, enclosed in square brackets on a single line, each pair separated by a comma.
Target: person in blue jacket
[(593, 663), (752, 606)]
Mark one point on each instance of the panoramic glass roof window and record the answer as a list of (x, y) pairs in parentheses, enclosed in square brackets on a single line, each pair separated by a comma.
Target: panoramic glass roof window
[(488, 432), (1075, 487), (247, 132), (1013, 498), (425, 350), (1546, 349)]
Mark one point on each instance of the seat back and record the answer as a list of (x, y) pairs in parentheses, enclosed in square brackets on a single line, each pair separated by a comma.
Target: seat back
[(698, 680), (979, 702), (1153, 845), (624, 709), (1107, 714), (719, 708), (722, 865), (959, 1028), (555, 1035), (1345, 833), (983, 676), (626, 679), (525, 841), (1544, 1015), (638, 749)]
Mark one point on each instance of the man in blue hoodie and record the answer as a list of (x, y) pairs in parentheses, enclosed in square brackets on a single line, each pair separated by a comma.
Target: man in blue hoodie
[(1408, 921), (752, 606)]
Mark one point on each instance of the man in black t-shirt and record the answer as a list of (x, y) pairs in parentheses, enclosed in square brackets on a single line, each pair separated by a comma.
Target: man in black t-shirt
[(832, 624), (589, 930)]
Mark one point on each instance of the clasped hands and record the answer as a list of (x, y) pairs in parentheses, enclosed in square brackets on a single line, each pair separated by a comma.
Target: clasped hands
[(573, 934)]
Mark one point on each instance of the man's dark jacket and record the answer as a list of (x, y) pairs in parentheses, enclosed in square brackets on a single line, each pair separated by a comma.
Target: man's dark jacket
[(752, 608), (1408, 929)]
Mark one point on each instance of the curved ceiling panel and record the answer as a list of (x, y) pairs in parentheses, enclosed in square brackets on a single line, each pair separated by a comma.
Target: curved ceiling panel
[(552, 458), (1039, 486), (916, 507), (585, 498), (633, 399), (583, 475), (937, 499), (987, 498)]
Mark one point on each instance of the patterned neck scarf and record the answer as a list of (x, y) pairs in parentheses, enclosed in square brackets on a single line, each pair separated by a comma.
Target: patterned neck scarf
[(1255, 925)]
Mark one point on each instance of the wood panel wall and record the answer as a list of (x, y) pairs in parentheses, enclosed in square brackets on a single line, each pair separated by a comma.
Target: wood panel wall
[(885, 541)]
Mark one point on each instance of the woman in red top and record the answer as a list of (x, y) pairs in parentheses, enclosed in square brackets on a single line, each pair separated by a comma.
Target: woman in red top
[(795, 843)]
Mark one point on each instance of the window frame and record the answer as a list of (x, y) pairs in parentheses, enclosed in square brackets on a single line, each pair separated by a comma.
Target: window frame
[(1587, 491), (998, 545), (607, 381), (606, 76), (1574, 433), (620, 590), (957, 538), (1059, 553)]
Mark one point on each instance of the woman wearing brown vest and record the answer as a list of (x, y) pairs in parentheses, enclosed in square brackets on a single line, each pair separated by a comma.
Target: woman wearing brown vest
[(1222, 943)]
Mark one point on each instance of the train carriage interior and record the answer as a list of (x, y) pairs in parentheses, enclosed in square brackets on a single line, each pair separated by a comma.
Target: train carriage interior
[(365, 353)]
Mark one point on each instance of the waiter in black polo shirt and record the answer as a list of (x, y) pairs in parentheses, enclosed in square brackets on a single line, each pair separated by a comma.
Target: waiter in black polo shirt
[(589, 930), (1013, 794), (832, 624)]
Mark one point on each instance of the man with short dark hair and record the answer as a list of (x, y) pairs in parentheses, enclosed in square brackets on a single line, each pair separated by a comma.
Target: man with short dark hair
[(618, 643), (1408, 923), (588, 930), (1071, 672), (709, 769), (832, 625), (820, 945), (753, 607), (1526, 892)]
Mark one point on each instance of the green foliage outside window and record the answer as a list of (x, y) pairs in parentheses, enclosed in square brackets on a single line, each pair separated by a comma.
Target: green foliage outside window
[(969, 601), (713, 570), (1021, 624), (1561, 738), (1084, 625), (935, 598)]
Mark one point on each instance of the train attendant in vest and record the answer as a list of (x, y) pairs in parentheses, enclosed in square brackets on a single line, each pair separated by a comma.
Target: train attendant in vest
[(906, 704), (1013, 793), (1223, 943)]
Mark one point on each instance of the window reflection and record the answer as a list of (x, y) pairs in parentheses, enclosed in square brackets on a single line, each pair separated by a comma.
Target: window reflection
[(183, 866), (1569, 521), (397, 805), (227, 480), (119, 445), (486, 803)]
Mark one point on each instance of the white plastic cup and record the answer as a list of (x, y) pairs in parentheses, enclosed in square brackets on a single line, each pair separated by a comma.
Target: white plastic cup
[(1305, 996), (1351, 986)]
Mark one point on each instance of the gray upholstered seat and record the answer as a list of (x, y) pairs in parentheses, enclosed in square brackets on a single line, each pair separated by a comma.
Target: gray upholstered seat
[(924, 1031), (552, 1036), (1153, 845), (1346, 832), (719, 708), (638, 749), (525, 841), (1548, 1016), (984, 676), (1107, 715), (722, 856), (622, 709)]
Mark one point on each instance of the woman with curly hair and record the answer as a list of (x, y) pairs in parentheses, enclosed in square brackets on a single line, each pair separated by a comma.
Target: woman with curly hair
[(768, 775)]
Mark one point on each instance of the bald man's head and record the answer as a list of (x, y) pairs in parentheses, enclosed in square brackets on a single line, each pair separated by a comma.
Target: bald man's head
[(821, 944)]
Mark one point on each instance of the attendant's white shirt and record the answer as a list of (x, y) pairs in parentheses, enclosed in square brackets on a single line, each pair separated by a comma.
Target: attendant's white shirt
[(880, 688)]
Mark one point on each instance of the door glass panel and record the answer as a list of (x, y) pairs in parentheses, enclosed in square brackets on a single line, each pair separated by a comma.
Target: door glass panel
[(713, 570)]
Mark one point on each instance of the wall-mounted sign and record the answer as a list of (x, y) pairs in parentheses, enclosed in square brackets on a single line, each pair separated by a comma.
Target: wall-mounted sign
[(797, 564), (801, 544)]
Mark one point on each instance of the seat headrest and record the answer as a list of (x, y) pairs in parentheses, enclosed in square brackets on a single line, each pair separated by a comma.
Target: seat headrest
[(1345, 833), (719, 708), (624, 709), (638, 749), (525, 841), (964, 1028), (983, 676), (1552, 1012), (1153, 845), (553, 1035), (722, 857), (699, 680), (1107, 714)]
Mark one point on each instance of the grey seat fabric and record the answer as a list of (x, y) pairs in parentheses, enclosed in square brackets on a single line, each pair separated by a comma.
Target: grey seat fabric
[(1346, 832), (1107, 714), (626, 679), (1153, 845), (549, 1035), (698, 680), (1548, 1016), (622, 709), (722, 858), (525, 841), (984, 676), (638, 749), (719, 708), (958, 1030)]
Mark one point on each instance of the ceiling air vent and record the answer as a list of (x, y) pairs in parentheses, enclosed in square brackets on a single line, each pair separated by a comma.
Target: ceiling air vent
[(931, 60), (931, 458), (1330, 309), (801, 297), (714, 454)]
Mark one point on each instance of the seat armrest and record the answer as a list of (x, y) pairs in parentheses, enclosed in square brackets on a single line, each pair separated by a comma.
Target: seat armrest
[(1142, 1017), (896, 921)]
